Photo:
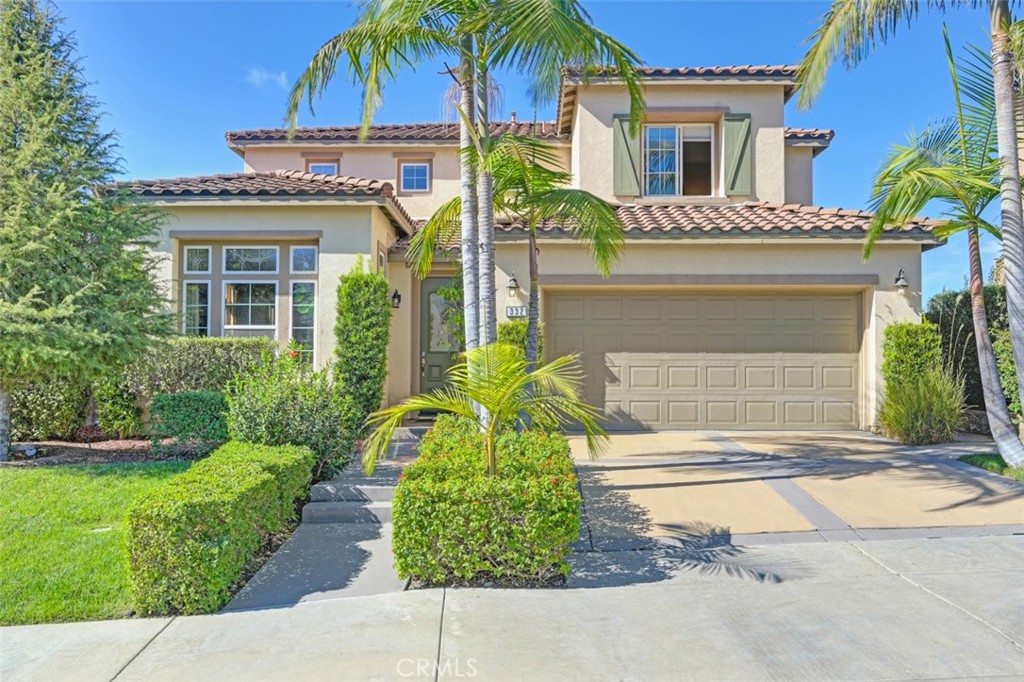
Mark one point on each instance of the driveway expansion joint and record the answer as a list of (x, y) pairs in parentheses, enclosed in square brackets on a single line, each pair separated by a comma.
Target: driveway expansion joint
[(144, 647)]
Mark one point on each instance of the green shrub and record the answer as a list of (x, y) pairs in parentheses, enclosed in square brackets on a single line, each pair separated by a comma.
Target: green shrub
[(925, 409), (1003, 347), (117, 409), (951, 311), (362, 330), (186, 364), (287, 403), (196, 421), (189, 540), (908, 350), (513, 333), (48, 411), (451, 521)]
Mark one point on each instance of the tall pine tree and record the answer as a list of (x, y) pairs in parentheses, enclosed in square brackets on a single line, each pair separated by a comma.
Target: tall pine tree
[(76, 293)]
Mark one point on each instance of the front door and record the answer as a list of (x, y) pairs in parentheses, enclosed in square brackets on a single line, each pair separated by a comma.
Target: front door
[(438, 344)]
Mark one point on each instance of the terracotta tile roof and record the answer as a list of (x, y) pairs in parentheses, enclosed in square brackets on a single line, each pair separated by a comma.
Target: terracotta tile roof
[(740, 71), (279, 183), (398, 132), (810, 134), (272, 183), (748, 219)]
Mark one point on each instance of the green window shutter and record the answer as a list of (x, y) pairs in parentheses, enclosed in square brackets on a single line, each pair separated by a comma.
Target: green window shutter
[(625, 159), (738, 150)]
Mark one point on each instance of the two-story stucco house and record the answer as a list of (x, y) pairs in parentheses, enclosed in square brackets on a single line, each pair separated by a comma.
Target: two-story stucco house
[(738, 303)]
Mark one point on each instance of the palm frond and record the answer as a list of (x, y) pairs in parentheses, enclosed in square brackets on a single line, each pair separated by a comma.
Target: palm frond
[(440, 231), (849, 32), (590, 219), (541, 36)]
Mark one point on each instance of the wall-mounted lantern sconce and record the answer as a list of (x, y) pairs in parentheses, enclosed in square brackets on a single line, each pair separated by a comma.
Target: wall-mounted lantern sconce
[(513, 286), (396, 299), (901, 281)]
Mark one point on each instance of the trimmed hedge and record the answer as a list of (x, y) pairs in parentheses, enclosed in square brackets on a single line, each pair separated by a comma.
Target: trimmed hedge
[(48, 411), (190, 539), (451, 521), (185, 364), (908, 350), (513, 333), (197, 421), (287, 403), (362, 330)]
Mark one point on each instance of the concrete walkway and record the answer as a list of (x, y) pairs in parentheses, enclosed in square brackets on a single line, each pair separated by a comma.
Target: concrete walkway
[(950, 608), (342, 548)]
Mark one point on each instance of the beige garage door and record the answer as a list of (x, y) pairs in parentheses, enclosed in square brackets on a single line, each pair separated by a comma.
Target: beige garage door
[(729, 361)]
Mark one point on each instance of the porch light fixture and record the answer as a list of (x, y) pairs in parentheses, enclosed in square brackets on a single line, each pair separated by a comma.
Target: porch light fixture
[(396, 299), (513, 285), (901, 281)]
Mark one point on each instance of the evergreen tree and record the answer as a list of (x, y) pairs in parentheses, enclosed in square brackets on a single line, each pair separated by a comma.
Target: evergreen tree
[(76, 293)]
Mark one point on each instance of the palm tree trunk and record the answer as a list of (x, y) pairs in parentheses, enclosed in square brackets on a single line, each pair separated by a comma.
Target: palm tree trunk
[(470, 231), (1003, 432), (1011, 203), (533, 313), (5, 423), (485, 220)]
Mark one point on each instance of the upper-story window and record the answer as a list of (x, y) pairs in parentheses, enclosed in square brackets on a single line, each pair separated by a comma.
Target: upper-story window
[(414, 176), (679, 160), (323, 167), (250, 260)]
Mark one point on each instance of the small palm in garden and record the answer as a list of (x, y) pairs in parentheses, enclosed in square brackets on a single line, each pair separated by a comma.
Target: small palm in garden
[(500, 381)]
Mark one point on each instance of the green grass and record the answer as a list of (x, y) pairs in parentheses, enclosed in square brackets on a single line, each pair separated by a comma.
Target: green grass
[(993, 462), (62, 539)]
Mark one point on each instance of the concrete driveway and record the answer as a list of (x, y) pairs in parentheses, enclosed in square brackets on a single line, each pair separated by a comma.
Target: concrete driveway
[(779, 487)]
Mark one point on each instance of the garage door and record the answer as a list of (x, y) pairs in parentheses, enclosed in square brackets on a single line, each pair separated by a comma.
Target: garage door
[(678, 361)]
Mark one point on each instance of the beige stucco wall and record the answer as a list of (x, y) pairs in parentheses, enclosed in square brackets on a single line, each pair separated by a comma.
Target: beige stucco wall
[(799, 175), (598, 104), (378, 162), (882, 304), (349, 232)]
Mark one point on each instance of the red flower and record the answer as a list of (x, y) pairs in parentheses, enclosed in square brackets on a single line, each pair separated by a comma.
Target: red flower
[(293, 353)]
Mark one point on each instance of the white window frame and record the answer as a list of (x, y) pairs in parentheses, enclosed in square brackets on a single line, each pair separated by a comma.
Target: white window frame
[(291, 259), (224, 326), (184, 304), (230, 273), (401, 177), (291, 311), (209, 260), (333, 164), (716, 182)]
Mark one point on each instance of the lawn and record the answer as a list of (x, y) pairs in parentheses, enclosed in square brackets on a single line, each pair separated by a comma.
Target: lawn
[(62, 535), (993, 462)]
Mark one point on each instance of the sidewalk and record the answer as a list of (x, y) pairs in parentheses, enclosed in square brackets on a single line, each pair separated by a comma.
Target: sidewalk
[(905, 609)]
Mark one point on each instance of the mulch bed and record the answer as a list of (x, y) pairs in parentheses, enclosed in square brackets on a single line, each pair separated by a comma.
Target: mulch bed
[(55, 453)]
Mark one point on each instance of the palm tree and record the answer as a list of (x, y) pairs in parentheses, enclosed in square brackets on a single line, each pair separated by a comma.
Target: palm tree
[(957, 164), (534, 37), (500, 382), (529, 191), (850, 29)]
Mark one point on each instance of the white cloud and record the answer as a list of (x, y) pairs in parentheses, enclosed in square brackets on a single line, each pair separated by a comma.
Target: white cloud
[(261, 77)]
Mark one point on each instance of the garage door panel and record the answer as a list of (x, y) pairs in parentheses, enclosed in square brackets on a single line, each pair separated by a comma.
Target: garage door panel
[(714, 361)]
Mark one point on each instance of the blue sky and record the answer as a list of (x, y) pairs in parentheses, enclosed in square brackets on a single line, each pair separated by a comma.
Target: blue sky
[(173, 76)]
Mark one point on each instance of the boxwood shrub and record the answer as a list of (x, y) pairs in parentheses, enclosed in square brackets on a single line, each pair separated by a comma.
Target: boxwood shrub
[(452, 522), (513, 333), (196, 423), (189, 540)]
